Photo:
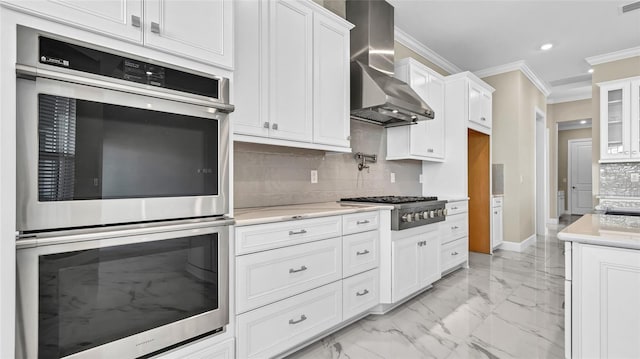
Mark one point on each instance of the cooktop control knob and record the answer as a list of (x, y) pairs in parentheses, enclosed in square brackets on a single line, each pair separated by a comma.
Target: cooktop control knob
[(417, 216), (432, 214), (425, 214), (407, 217), (439, 212)]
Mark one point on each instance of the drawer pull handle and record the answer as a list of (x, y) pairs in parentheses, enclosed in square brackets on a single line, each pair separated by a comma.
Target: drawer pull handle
[(454, 227), (302, 269), (495, 212), (454, 208), (482, 119), (454, 253), (364, 292), (366, 251), (302, 319), (293, 233), (363, 222)]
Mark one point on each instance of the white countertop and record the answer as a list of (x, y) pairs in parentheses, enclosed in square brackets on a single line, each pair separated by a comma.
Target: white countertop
[(453, 198), (259, 215), (604, 230)]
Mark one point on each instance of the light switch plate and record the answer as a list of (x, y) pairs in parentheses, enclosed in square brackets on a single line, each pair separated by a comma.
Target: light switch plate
[(393, 177), (420, 179), (314, 176)]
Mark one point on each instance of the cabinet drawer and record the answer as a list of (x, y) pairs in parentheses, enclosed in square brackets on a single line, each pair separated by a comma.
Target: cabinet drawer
[(263, 278), (271, 330), (454, 227), (360, 293), (454, 253), (224, 350), (261, 237), (360, 252), (360, 222), (457, 207)]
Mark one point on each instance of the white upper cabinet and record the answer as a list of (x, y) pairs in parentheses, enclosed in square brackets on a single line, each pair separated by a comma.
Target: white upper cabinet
[(121, 19), (331, 83), (479, 105), (291, 66), (200, 30), (292, 75), (620, 120), (426, 139)]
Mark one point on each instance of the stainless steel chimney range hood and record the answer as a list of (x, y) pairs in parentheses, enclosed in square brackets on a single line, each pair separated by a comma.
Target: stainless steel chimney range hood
[(377, 96)]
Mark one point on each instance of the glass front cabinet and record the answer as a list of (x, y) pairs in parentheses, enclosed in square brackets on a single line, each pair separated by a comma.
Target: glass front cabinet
[(620, 120)]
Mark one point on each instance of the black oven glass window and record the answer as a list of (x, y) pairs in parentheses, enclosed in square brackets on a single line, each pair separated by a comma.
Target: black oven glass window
[(92, 150), (91, 297)]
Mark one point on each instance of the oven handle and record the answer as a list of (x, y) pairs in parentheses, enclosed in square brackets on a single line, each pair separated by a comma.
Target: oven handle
[(31, 73), (89, 234)]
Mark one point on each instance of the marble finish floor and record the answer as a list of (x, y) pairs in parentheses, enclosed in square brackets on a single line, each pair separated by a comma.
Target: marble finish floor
[(509, 305)]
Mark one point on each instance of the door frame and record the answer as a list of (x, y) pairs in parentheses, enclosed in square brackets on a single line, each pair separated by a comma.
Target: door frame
[(569, 191), (544, 177)]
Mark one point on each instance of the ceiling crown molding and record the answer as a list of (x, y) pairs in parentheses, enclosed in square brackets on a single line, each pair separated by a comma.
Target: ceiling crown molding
[(517, 66), (613, 56), (568, 95), (415, 45)]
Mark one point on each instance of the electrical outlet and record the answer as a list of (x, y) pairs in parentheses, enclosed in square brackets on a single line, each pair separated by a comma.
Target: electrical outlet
[(314, 176), (393, 177), (420, 179), (635, 177)]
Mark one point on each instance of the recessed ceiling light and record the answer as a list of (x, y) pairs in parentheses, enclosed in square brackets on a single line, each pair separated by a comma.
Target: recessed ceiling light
[(546, 47), (590, 71), (583, 122)]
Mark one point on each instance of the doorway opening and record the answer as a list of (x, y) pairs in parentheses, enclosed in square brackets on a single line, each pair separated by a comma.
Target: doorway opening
[(541, 158), (573, 202)]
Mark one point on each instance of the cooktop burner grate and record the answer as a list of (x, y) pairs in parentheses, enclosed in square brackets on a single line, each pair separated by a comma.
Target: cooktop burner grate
[(390, 199)]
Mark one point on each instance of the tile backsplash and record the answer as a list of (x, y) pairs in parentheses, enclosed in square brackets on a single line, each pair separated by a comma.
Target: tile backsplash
[(615, 179), (267, 175)]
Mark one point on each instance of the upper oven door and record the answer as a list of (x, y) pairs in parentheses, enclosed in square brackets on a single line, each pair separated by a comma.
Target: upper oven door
[(90, 155)]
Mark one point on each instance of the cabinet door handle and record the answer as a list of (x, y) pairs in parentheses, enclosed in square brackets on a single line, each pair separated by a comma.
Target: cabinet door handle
[(419, 244), (155, 27), (454, 253), (265, 125), (430, 150), (274, 126), (456, 227), (482, 119), (302, 231), (302, 319), (364, 292), (495, 212), (366, 251), (135, 21), (302, 269), (454, 208), (363, 222)]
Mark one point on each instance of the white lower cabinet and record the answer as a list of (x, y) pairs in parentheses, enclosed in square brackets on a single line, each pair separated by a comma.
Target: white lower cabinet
[(292, 282), (360, 252), (273, 329), (454, 253), (269, 276), (360, 293), (605, 297), (415, 261)]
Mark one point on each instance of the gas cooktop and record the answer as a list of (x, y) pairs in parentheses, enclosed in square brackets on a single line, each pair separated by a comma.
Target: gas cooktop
[(390, 199)]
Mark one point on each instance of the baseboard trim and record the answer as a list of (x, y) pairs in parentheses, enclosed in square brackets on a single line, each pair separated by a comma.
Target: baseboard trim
[(518, 247)]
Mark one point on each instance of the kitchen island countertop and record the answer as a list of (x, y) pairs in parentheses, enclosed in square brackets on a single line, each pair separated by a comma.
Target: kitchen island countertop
[(604, 230), (259, 215)]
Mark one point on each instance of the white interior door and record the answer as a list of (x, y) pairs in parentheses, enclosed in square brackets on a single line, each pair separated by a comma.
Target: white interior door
[(580, 176)]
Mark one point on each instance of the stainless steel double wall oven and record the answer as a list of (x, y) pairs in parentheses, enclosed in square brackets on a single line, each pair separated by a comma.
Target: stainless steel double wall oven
[(122, 192)]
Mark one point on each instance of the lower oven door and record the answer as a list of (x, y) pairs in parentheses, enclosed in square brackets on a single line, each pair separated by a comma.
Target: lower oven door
[(109, 295), (90, 155)]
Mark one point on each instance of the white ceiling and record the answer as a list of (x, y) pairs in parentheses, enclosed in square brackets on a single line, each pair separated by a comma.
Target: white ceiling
[(476, 35)]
